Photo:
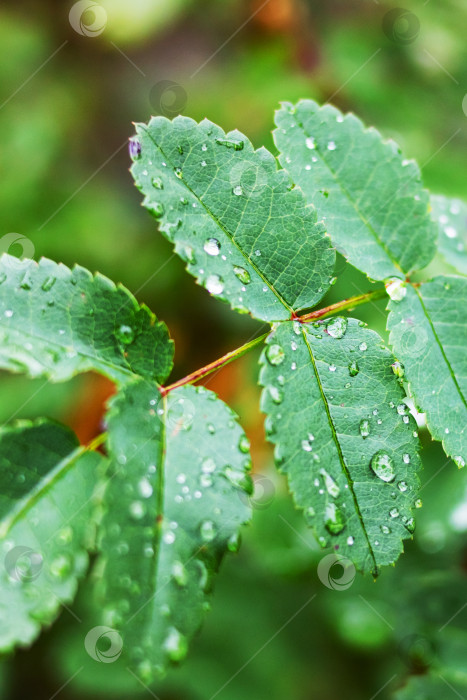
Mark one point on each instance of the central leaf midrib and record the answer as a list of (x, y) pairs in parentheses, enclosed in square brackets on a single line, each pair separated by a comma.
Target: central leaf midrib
[(353, 204), (338, 447), (223, 229)]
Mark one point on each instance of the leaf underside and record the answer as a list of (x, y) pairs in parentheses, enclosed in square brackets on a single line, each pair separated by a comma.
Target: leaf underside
[(174, 505), (370, 199), (332, 404), (46, 525), (55, 322), (245, 235), (428, 331), (451, 215)]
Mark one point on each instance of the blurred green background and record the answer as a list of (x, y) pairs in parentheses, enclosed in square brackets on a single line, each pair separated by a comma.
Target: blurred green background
[(68, 96)]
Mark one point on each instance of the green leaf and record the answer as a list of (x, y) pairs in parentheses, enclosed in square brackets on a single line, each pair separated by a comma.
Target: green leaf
[(47, 484), (343, 436), (246, 235), (56, 322), (451, 215), (429, 336), (370, 199), (174, 505)]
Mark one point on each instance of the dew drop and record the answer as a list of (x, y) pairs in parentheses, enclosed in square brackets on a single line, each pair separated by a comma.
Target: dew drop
[(394, 513), (156, 209), (331, 486), (396, 289), (244, 444), (459, 461), (179, 573), (331, 146), (48, 283), (175, 645), (406, 458), (237, 145), (402, 486), (332, 368), (382, 465), (157, 183), (276, 394), (178, 173), (137, 510), (125, 334), (237, 190), (418, 503), (334, 521), (144, 488), (410, 525), (364, 428), (337, 327), (310, 143), (207, 530), (385, 529), (242, 274), (215, 284), (354, 369), (363, 347), (275, 354), (208, 465), (212, 246)]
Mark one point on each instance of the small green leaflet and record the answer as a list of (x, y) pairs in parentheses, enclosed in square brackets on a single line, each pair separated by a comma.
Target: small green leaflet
[(343, 435), (429, 335), (245, 234), (370, 199), (451, 215), (55, 322), (46, 524), (177, 495)]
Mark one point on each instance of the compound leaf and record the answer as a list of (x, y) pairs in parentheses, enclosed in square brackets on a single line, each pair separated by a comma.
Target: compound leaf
[(245, 234), (451, 215), (343, 436), (56, 322), (428, 331), (370, 198), (174, 504), (46, 524)]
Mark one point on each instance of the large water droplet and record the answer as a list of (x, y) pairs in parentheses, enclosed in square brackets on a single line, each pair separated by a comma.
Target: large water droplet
[(459, 461), (242, 274), (175, 645), (276, 394), (208, 465), (364, 428), (234, 541), (410, 525), (331, 486), (137, 510), (310, 143), (212, 246), (239, 479), (275, 354), (336, 327), (382, 465), (334, 520), (179, 573), (215, 284), (207, 530), (237, 145), (394, 513), (144, 488), (396, 289), (237, 190)]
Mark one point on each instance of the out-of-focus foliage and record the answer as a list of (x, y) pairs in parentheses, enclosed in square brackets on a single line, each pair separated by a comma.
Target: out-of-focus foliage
[(65, 116)]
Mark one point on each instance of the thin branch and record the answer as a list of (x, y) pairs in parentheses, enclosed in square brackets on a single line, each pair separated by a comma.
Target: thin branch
[(344, 305)]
